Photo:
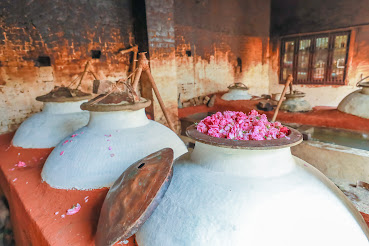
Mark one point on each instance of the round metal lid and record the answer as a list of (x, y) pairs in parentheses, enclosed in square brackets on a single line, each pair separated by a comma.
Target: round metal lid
[(115, 102), (238, 86), (134, 197), (64, 94), (295, 95), (295, 137)]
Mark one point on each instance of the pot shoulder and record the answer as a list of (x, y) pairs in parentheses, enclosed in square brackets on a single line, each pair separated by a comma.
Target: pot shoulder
[(203, 207)]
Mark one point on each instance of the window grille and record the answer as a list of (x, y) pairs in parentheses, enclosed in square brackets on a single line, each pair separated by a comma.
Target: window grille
[(315, 59)]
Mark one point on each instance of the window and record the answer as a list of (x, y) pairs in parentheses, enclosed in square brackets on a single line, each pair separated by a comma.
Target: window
[(318, 59)]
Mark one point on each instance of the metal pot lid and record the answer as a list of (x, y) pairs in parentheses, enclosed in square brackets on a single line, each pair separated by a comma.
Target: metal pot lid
[(64, 94), (295, 95), (115, 102), (238, 86), (295, 137), (134, 196)]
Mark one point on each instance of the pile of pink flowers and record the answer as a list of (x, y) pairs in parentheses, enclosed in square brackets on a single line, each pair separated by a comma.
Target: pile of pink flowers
[(240, 126)]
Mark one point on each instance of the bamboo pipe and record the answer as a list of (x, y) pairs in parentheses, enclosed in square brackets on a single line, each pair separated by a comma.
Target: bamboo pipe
[(288, 82), (144, 64)]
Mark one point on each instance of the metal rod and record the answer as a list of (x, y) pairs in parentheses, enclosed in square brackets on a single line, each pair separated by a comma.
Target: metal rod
[(289, 80)]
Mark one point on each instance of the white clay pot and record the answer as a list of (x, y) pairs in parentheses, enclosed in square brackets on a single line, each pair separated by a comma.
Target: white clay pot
[(237, 91), (47, 128), (296, 104), (356, 103), (97, 154), (236, 195)]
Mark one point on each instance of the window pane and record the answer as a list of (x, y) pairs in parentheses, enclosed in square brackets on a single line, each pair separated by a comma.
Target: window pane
[(339, 57), (320, 58), (287, 65), (303, 59)]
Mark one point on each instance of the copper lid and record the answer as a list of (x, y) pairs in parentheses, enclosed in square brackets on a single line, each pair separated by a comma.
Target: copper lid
[(115, 102), (295, 137), (238, 86), (134, 197), (64, 94)]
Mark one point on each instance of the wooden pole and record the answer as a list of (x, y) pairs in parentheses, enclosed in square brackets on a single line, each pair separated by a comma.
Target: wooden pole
[(144, 64), (83, 74), (137, 79), (135, 51), (289, 80)]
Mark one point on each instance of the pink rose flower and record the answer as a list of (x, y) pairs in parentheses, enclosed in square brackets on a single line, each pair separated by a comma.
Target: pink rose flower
[(241, 126), (75, 209)]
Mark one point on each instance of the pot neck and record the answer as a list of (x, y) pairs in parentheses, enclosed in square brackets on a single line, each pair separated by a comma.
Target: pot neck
[(118, 119), (63, 107), (244, 162)]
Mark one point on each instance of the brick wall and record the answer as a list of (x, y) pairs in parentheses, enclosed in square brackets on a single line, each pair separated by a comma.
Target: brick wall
[(213, 37), (64, 31), (160, 31)]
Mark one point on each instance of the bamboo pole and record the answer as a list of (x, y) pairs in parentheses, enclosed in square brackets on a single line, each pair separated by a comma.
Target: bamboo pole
[(83, 74), (288, 82), (144, 64)]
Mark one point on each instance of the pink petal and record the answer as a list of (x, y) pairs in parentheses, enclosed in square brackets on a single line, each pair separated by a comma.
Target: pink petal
[(109, 148), (15, 179), (12, 169), (86, 199), (21, 164), (66, 141), (74, 135), (56, 213), (63, 216), (74, 209), (61, 153), (112, 155)]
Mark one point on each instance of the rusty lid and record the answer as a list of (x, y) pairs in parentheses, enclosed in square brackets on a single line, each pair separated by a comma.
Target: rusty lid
[(64, 94), (115, 102), (238, 86), (134, 197), (295, 137)]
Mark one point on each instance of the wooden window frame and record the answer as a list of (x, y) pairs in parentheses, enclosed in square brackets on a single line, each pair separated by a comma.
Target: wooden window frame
[(328, 80)]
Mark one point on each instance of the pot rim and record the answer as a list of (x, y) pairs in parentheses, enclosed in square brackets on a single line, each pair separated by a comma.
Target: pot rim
[(66, 95), (295, 139), (95, 106), (364, 84)]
